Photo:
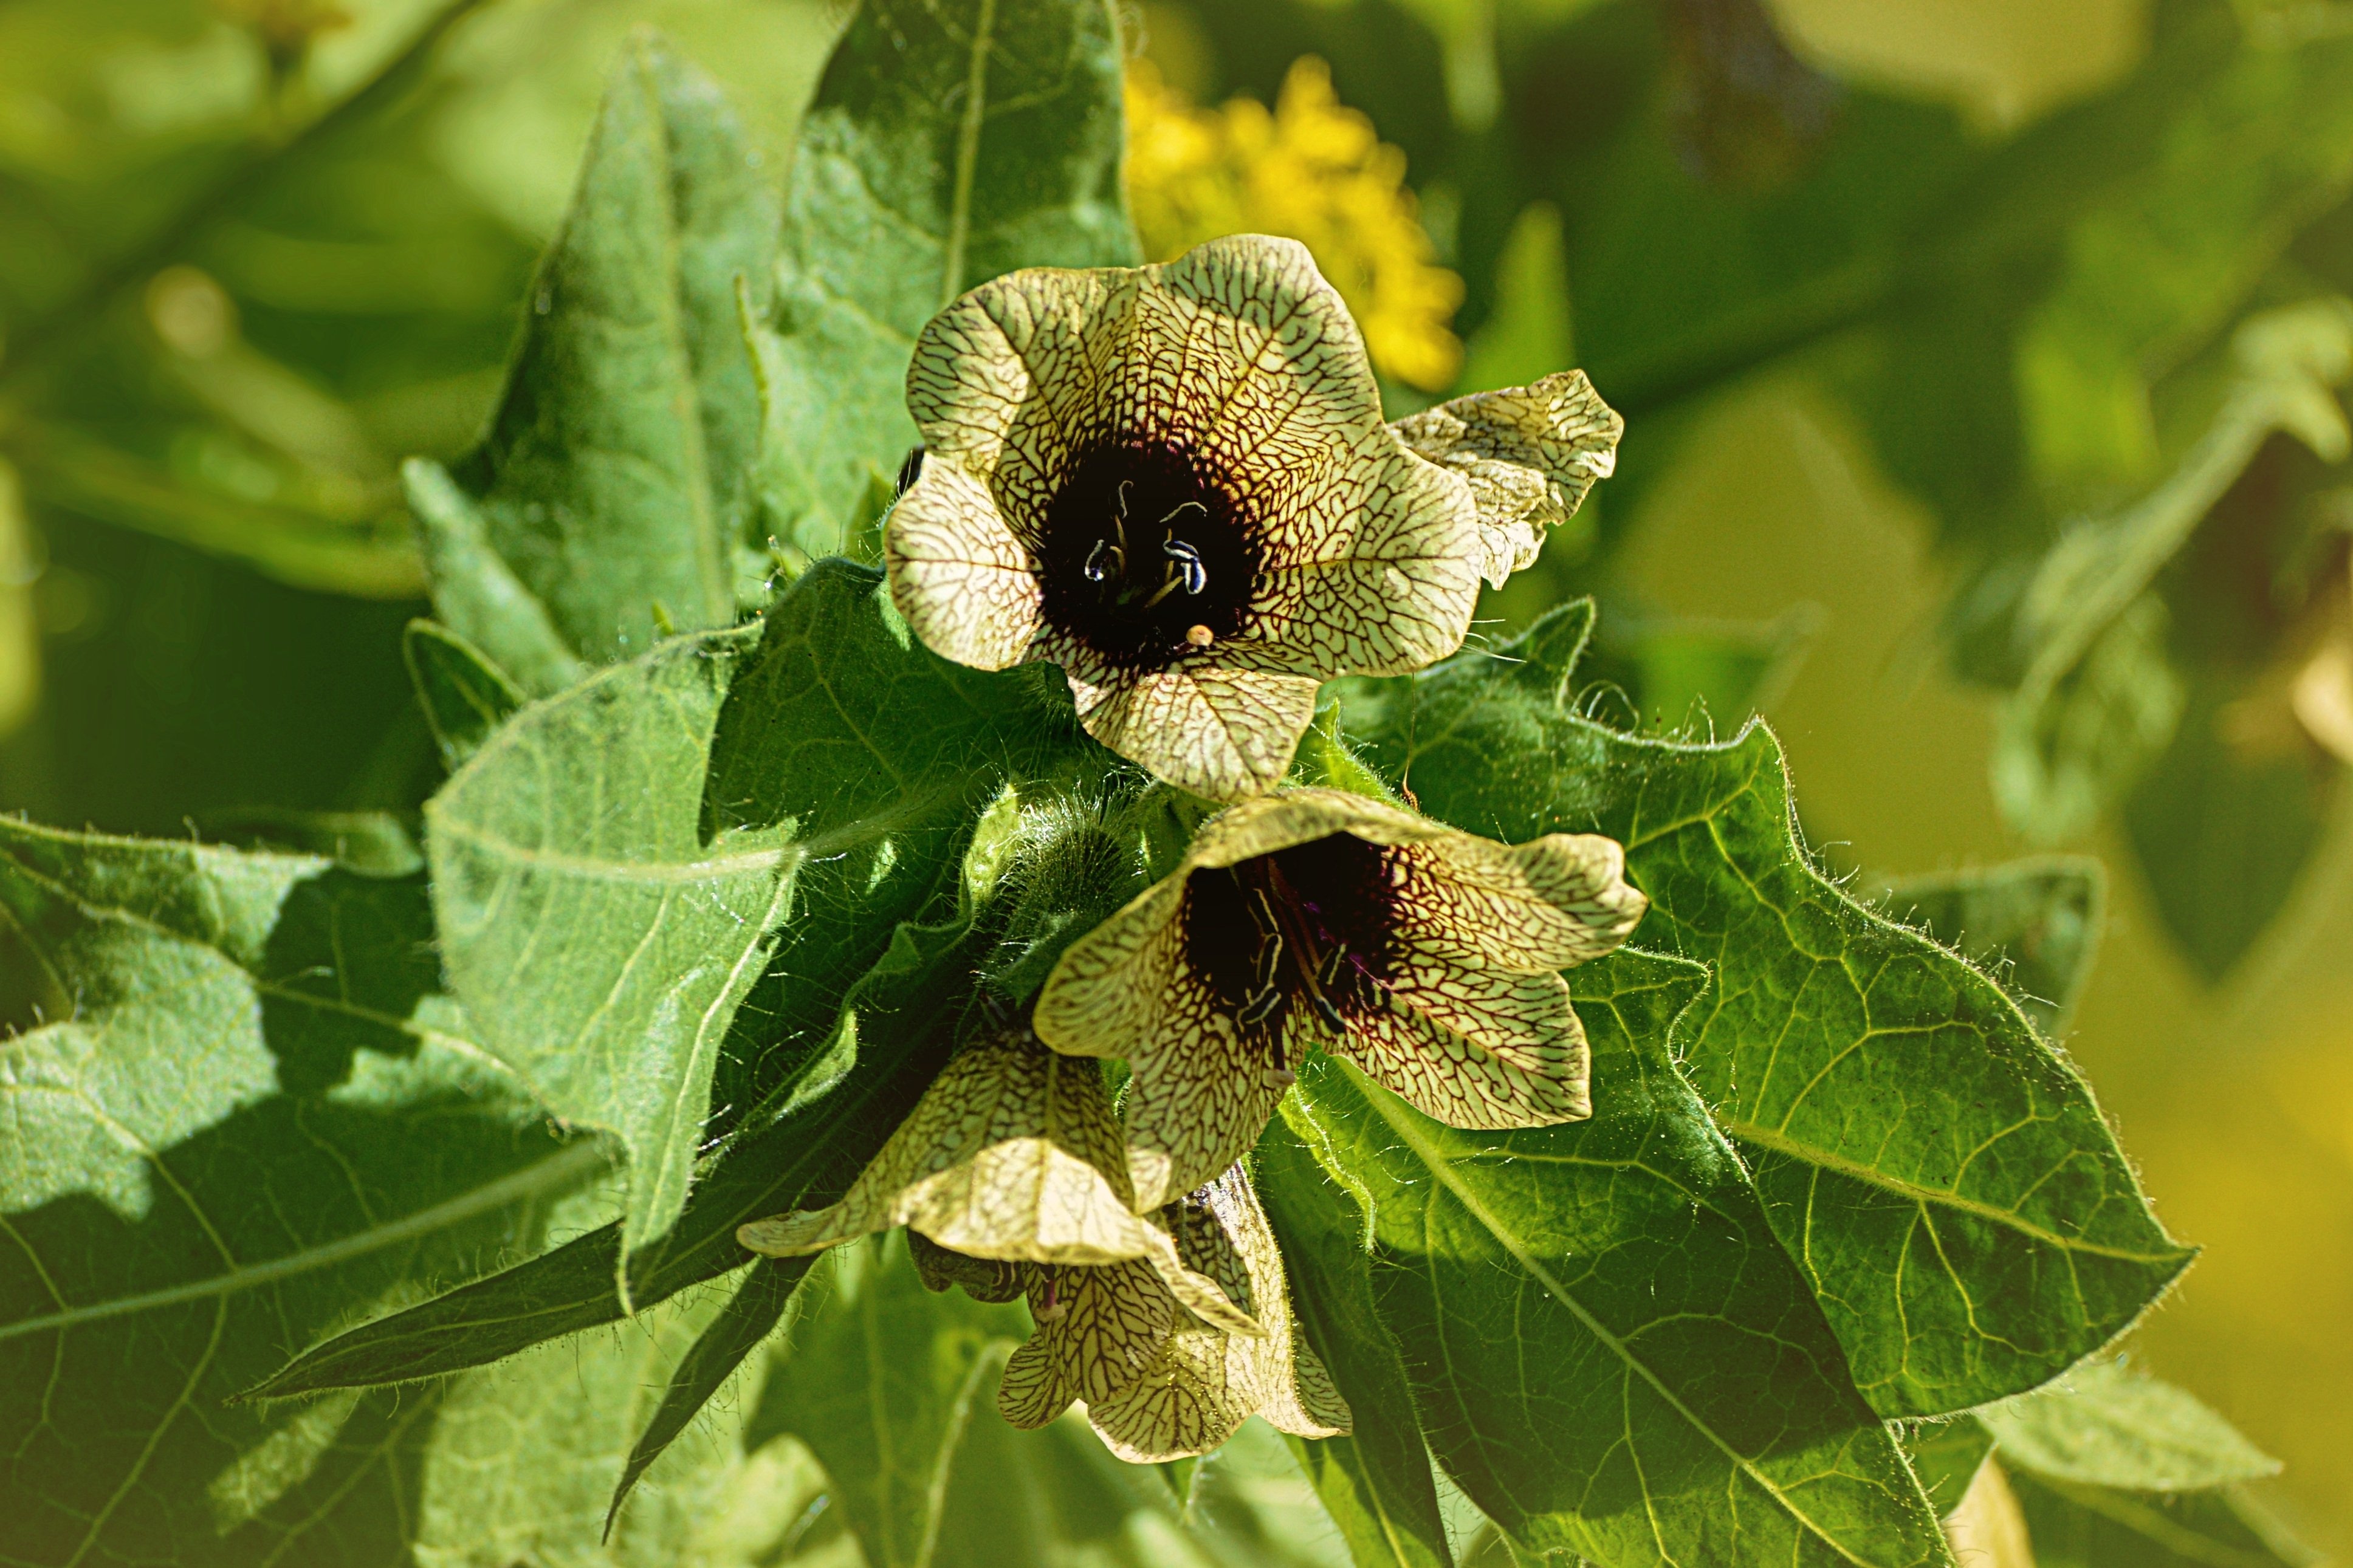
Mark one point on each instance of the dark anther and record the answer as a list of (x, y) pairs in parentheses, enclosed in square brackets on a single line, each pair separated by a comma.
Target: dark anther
[(1190, 570), (911, 469), (1099, 569)]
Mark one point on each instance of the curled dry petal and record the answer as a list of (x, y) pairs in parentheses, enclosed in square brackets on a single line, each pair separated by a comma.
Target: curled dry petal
[(1012, 1155), (1176, 482), (1183, 1387), (1530, 454), (1427, 956)]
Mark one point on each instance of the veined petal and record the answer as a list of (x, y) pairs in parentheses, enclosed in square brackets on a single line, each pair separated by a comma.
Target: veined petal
[(1197, 1099), (1110, 987), (1012, 1153), (1446, 1075), (1529, 454), (1552, 903), (958, 573), (1099, 1330), (1527, 1020), (1223, 734), (1204, 1386)]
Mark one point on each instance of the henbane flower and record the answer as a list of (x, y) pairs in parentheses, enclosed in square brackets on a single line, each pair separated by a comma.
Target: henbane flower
[(1199, 1383), (1013, 1156), (1176, 482), (1427, 956)]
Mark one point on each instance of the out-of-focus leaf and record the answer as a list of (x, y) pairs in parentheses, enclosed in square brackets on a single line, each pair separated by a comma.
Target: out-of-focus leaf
[(2225, 819), (2104, 1425), (1946, 1456), (2077, 1526), (2243, 164), (465, 696), (238, 1116), (1944, 1180), (751, 1314), (1612, 1353), (879, 1382), (1529, 333), (613, 485), (2034, 925), (1682, 676), (946, 145), (2098, 698), (1375, 1481)]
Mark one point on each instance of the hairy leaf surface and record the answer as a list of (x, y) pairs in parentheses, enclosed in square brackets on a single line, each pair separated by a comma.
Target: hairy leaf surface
[(947, 144), (237, 1115), (614, 486), (1943, 1178), (1611, 1352)]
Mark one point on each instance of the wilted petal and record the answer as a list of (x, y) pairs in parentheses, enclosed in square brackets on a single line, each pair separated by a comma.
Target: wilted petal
[(1530, 454), (1204, 1386), (1100, 1331)]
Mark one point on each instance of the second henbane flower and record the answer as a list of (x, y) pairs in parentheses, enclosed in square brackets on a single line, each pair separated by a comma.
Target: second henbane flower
[(1176, 482), (1427, 956)]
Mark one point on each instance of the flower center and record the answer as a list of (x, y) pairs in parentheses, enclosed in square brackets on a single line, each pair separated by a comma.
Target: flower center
[(1144, 559), (1305, 934)]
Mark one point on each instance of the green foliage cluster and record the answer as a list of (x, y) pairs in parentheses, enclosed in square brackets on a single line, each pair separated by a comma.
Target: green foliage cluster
[(370, 1190)]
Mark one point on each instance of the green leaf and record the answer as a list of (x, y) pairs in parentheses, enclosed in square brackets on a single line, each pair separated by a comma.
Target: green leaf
[(2224, 823), (474, 591), (1374, 1482), (598, 941), (2104, 1425), (2097, 700), (2034, 925), (835, 727), (1944, 1180), (2077, 1526), (524, 1454), (464, 694), (1946, 1456), (879, 1382), (733, 1333), (615, 484), (240, 1117), (946, 145), (1609, 1351)]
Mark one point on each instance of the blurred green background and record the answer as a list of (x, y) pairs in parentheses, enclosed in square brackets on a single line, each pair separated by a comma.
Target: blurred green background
[(254, 252)]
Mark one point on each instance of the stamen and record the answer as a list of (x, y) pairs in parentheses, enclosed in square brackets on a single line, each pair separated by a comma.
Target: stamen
[(1259, 1006), (1096, 571), (1188, 563)]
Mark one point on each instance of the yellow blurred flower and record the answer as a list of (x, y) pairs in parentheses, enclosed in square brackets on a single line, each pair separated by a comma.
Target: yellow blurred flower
[(1314, 170)]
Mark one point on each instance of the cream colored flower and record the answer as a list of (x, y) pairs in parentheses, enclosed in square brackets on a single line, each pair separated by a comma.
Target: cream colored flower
[(1175, 482), (1427, 956), (1012, 1155), (1158, 1382), (1530, 453)]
